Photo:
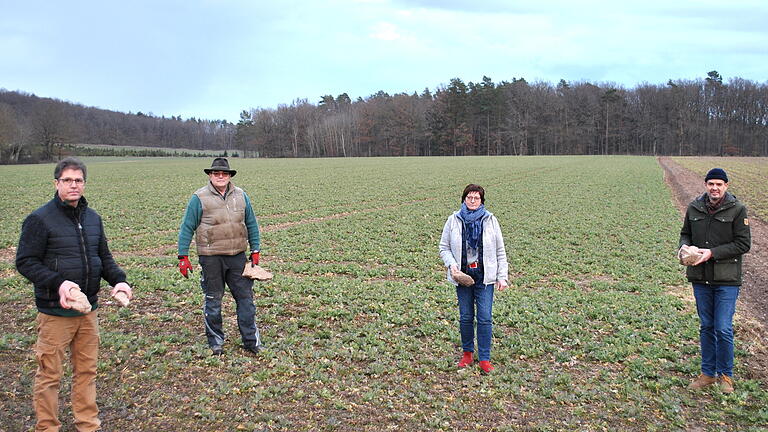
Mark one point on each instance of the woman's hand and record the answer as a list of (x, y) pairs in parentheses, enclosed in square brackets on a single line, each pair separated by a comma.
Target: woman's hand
[(501, 285)]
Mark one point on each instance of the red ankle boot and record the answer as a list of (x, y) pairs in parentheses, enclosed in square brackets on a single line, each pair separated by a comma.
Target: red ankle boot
[(466, 359), (486, 366)]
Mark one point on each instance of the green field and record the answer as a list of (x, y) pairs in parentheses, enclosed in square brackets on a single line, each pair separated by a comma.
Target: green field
[(596, 332), (748, 178)]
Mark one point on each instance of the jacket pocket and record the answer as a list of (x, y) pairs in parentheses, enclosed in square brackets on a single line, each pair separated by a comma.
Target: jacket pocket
[(726, 270), (695, 273), (52, 263)]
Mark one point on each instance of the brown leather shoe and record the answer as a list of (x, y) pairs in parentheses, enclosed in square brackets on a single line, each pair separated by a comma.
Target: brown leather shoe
[(702, 381), (726, 384)]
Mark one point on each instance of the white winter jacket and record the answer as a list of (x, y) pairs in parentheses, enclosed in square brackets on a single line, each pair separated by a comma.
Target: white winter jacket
[(494, 254)]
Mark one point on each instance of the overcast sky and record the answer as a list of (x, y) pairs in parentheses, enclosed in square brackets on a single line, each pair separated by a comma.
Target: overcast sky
[(214, 58)]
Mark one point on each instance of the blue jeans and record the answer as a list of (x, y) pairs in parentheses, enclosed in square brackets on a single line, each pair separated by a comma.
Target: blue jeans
[(481, 296), (218, 269), (716, 305)]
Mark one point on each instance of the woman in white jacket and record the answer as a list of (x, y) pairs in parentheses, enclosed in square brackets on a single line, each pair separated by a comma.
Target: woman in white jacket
[(472, 245)]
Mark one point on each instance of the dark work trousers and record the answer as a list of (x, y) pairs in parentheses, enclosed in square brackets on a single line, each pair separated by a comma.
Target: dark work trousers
[(218, 269)]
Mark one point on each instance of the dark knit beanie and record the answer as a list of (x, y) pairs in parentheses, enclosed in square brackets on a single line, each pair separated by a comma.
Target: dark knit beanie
[(716, 174)]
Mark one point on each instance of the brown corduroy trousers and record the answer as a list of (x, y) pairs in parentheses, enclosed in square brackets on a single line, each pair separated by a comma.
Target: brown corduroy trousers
[(54, 335)]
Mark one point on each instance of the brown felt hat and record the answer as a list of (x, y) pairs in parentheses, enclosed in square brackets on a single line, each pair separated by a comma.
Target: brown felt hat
[(220, 164)]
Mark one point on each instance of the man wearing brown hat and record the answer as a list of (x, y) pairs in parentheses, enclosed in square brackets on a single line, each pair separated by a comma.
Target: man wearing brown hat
[(716, 228), (221, 218)]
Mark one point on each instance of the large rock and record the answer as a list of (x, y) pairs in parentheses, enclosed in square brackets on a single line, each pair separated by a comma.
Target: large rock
[(256, 273), (462, 278), (688, 255), (80, 302), (121, 298)]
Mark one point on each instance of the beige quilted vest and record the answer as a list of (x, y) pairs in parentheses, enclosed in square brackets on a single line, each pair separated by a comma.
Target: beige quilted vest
[(222, 229)]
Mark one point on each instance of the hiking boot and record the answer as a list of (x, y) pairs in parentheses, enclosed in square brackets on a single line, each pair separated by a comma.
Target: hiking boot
[(255, 349), (486, 367), (702, 381), (217, 351), (466, 359), (726, 384)]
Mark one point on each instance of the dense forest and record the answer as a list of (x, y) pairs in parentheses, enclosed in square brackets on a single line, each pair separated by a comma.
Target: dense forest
[(705, 116)]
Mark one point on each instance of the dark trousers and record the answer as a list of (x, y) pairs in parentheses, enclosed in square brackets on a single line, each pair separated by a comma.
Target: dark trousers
[(218, 270)]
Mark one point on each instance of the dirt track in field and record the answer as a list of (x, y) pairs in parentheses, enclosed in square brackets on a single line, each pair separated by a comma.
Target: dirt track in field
[(752, 307)]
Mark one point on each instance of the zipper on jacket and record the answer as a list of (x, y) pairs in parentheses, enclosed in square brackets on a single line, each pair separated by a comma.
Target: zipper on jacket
[(85, 253)]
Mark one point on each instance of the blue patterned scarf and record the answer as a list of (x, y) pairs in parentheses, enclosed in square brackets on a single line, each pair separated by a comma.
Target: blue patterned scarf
[(473, 223)]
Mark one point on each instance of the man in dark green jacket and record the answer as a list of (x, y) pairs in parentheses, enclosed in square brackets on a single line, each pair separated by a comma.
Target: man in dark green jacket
[(717, 224)]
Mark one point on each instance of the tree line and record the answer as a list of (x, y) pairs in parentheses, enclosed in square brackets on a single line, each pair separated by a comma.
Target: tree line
[(705, 116), (36, 129), (684, 117)]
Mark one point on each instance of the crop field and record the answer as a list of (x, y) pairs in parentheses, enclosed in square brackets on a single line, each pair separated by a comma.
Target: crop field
[(597, 330), (748, 178)]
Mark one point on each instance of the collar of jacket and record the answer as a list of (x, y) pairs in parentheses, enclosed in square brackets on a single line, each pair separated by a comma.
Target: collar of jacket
[(230, 188), (729, 200), (82, 204)]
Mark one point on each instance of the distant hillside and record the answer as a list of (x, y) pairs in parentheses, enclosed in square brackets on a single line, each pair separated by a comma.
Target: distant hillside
[(34, 128)]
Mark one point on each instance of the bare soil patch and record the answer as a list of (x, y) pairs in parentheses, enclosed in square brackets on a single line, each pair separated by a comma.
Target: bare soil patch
[(753, 299), (8, 254)]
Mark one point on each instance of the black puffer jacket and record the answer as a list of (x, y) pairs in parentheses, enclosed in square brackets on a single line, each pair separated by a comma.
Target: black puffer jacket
[(726, 233), (59, 242)]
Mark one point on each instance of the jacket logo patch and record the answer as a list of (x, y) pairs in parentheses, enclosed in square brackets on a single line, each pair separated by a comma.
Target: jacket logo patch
[(746, 221)]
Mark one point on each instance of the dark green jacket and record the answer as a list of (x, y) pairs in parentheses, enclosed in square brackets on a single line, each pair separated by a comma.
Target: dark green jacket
[(725, 233)]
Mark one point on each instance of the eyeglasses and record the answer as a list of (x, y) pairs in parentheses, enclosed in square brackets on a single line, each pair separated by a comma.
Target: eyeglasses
[(220, 173), (472, 198), (68, 181)]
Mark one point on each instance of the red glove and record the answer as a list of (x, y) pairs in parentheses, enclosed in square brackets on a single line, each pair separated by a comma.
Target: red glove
[(254, 258), (184, 265)]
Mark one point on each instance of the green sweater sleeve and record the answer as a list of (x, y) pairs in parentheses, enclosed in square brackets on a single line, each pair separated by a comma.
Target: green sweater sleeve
[(189, 224), (252, 224)]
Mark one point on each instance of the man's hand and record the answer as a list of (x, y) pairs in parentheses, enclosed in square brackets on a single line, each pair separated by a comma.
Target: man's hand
[(705, 255), (501, 285), (124, 287), (690, 249), (64, 296), (254, 258), (184, 266), (122, 293)]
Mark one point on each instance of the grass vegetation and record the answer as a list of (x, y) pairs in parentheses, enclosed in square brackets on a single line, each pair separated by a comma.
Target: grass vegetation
[(596, 332), (748, 177)]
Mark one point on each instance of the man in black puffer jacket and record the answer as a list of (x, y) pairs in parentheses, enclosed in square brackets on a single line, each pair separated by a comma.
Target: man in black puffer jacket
[(62, 250)]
